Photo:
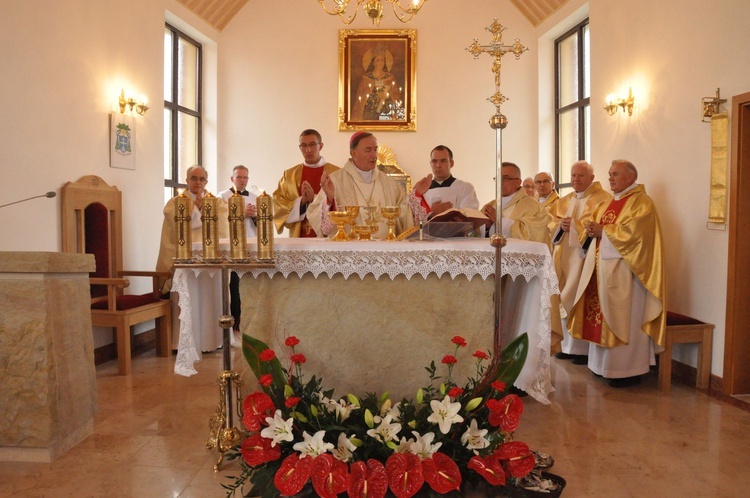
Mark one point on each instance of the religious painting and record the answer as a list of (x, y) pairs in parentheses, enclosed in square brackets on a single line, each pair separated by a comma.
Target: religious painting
[(122, 141), (377, 79)]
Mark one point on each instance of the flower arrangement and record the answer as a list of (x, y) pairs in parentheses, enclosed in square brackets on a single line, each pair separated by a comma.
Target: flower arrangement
[(301, 441)]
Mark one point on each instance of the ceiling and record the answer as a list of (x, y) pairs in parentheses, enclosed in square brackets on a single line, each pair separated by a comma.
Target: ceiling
[(218, 13)]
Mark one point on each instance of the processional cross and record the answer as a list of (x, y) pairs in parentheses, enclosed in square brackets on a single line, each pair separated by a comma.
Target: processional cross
[(497, 122)]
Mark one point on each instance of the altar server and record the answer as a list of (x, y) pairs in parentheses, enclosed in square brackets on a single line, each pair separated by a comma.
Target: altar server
[(446, 191)]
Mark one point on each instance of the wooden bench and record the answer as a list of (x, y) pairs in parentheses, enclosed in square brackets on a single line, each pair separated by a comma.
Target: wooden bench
[(683, 329)]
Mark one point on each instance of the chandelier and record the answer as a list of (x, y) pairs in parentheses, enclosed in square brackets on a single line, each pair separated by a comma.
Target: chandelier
[(373, 9)]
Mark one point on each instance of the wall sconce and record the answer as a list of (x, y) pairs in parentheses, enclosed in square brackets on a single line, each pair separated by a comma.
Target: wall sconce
[(140, 107), (624, 103), (711, 106)]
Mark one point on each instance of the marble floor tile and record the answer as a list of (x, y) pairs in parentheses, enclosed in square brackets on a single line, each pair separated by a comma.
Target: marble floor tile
[(151, 428)]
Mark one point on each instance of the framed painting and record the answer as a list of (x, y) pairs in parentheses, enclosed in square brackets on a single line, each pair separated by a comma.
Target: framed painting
[(377, 79)]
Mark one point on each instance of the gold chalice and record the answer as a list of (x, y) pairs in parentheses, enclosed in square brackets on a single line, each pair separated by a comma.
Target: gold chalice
[(364, 232), (353, 212), (390, 213), (340, 218), (371, 216)]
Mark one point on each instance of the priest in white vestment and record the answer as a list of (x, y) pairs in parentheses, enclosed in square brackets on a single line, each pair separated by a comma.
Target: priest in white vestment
[(361, 183), (446, 191)]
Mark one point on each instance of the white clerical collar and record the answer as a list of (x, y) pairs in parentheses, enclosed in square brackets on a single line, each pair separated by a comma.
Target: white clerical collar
[(543, 199), (366, 175), (579, 195), (320, 163), (506, 199), (619, 195)]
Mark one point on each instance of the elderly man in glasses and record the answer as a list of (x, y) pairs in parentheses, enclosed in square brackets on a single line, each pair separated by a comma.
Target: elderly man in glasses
[(298, 186), (522, 216)]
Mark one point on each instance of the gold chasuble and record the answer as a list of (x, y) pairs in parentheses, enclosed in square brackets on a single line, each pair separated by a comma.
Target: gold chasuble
[(531, 218), (550, 204), (289, 190), (603, 314)]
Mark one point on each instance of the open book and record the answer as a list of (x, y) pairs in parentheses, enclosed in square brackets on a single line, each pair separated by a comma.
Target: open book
[(475, 216)]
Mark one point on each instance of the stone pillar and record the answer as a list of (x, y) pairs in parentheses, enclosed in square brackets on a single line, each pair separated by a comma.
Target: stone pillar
[(47, 377)]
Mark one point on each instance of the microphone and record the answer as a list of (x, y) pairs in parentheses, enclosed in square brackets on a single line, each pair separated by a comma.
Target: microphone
[(49, 195)]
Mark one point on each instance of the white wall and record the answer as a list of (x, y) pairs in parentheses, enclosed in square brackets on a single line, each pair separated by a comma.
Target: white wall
[(279, 75), (62, 69)]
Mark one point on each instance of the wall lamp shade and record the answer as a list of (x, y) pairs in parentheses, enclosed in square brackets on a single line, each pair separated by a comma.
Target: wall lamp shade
[(626, 104), (129, 102), (404, 10)]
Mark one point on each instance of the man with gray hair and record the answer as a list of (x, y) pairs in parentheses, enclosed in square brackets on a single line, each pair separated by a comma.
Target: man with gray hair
[(572, 210), (622, 310)]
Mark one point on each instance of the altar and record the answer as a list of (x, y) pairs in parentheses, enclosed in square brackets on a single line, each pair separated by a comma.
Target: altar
[(371, 315)]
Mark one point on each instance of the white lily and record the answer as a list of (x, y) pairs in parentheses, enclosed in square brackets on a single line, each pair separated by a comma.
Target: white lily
[(386, 431), (404, 445), (313, 445), (278, 429), (423, 446), (474, 438), (344, 448), (445, 413)]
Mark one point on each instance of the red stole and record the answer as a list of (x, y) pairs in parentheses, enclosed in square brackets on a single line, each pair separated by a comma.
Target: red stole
[(312, 176), (592, 311)]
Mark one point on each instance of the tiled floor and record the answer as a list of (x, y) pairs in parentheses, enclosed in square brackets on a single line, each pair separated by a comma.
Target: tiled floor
[(150, 432)]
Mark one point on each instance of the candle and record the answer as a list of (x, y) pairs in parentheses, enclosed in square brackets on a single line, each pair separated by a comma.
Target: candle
[(237, 235), (265, 227), (210, 228), (183, 208)]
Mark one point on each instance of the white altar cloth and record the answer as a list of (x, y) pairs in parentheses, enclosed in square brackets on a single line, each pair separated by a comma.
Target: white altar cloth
[(471, 258)]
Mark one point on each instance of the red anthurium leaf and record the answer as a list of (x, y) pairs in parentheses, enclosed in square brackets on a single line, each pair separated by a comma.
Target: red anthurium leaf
[(293, 474), (256, 407), (441, 473), (368, 481), (516, 457), (257, 450), (507, 413), (405, 476), (489, 468), (329, 476)]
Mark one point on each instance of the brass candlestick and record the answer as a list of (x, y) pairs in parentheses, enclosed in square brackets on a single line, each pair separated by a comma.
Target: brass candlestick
[(265, 227), (182, 212), (210, 229), (237, 235)]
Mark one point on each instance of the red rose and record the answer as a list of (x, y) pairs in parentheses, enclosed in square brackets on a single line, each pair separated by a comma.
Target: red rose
[(480, 354), (267, 355), (266, 380), (449, 359), (459, 341), (291, 341), (298, 358), (455, 391), (498, 385)]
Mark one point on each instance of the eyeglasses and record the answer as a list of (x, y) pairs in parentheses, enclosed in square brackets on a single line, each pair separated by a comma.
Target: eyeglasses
[(539, 182), (508, 178), (309, 146), (201, 179)]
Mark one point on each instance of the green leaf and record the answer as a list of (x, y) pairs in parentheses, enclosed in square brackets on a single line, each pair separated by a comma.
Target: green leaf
[(384, 396), (251, 348), (512, 360), (313, 411)]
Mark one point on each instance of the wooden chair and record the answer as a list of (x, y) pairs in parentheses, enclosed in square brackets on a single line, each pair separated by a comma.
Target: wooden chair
[(92, 223)]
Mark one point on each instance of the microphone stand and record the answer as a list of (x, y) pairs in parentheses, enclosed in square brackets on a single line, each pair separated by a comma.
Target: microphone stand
[(48, 194)]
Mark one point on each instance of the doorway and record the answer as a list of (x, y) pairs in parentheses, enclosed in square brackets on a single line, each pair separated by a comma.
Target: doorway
[(736, 379)]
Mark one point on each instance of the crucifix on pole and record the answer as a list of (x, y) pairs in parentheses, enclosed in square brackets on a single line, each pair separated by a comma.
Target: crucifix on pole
[(497, 122)]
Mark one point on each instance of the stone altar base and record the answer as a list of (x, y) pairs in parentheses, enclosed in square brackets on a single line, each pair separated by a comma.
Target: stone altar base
[(47, 377)]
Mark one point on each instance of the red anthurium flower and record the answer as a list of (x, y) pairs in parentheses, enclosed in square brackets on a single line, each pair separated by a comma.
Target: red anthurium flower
[(329, 476), (368, 481), (507, 414), (256, 407), (459, 341), (291, 341), (455, 391), (298, 358), (405, 476), (449, 359), (480, 354), (441, 473), (498, 385), (267, 355), (489, 468), (292, 401), (515, 457), (293, 474), (266, 380), (257, 450)]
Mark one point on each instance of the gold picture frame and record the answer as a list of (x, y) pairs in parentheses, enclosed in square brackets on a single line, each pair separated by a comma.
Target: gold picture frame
[(374, 96)]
